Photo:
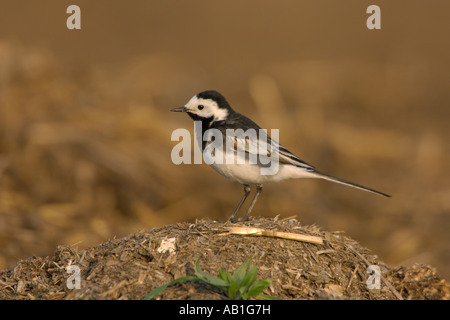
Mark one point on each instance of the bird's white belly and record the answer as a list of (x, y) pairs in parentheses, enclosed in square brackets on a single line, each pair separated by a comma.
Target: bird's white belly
[(251, 173), (248, 171), (242, 173), (237, 168)]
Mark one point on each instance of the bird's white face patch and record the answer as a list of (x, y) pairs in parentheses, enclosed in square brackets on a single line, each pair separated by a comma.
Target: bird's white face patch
[(206, 108)]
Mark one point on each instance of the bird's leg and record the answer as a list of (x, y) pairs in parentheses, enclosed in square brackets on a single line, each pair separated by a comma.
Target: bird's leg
[(247, 192), (258, 191)]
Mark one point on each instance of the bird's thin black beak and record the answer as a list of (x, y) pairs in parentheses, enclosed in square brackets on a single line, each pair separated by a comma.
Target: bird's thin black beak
[(179, 109)]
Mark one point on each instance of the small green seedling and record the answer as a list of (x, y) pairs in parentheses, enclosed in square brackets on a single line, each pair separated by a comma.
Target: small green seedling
[(242, 284)]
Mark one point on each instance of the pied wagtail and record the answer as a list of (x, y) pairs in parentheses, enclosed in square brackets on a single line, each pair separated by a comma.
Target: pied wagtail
[(214, 112)]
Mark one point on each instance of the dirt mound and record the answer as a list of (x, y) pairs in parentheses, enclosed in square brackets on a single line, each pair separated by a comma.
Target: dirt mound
[(130, 267)]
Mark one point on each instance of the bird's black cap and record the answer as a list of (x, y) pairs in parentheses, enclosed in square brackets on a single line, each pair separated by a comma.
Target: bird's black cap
[(215, 96)]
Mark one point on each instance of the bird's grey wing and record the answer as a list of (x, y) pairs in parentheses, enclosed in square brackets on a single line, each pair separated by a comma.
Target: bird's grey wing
[(287, 157), (264, 147), (251, 146)]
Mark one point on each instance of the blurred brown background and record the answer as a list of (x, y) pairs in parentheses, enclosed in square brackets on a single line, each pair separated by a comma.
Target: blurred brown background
[(85, 127)]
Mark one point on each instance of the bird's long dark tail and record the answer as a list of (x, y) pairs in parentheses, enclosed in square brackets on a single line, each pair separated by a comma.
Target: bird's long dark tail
[(347, 183)]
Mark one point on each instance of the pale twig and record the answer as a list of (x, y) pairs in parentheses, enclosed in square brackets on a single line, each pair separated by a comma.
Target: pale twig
[(351, 278), (270, 233)]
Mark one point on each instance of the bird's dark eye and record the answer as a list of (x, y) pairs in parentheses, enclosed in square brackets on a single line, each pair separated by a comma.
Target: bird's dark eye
[(200, 107)]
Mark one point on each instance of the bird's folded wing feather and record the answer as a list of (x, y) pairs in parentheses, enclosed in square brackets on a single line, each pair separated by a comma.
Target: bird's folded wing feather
[(264, 146)]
